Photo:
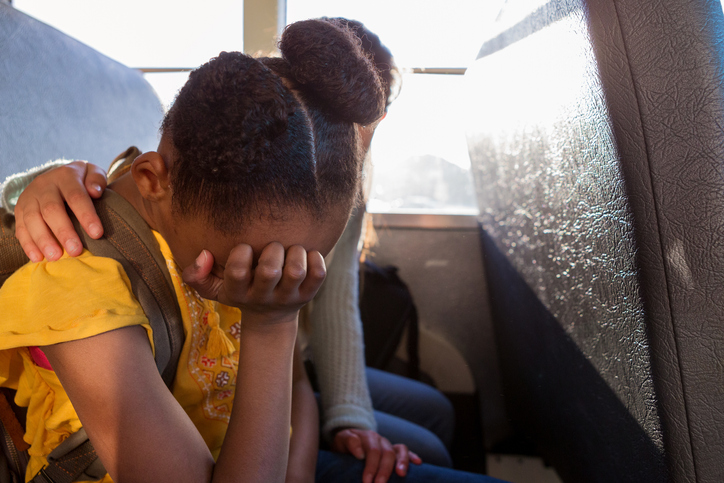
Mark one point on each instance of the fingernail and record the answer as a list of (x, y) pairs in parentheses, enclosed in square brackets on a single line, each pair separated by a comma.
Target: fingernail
[(95, 229), (72, 246), (36, 257), (96, 187), (49, 253), (200, 259)]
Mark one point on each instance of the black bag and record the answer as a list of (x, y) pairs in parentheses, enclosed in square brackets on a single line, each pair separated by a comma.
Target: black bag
[(387, 309)]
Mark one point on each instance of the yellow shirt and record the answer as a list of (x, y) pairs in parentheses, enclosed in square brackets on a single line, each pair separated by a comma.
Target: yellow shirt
[(206, 376), (74, 298)]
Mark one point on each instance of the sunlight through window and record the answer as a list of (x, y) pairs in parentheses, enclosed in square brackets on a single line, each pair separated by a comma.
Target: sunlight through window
[(419, 151)]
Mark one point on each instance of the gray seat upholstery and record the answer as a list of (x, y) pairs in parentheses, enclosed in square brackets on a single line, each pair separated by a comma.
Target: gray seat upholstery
[(598, 152), (61, 99)]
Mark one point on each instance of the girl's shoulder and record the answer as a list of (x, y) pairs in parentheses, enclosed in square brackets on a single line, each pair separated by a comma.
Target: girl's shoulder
[(72, 298)]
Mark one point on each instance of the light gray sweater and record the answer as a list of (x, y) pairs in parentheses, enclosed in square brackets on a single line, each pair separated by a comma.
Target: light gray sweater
[(336, 338)]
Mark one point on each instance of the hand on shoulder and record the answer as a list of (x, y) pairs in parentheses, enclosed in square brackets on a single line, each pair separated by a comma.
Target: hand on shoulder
[(40, 217)]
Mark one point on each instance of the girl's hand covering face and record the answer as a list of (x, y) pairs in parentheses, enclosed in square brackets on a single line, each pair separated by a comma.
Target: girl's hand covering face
[(40, 217), (271, 292)]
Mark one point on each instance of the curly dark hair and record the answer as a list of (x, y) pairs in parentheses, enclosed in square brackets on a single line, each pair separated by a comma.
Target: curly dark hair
[(381, 56), (246, 145)]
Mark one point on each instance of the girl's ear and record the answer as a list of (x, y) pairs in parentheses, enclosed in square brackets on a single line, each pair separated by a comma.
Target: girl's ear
[(151, 175)]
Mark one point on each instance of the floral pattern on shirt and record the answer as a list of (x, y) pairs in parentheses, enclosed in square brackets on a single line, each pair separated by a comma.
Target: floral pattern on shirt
[(216, 377)]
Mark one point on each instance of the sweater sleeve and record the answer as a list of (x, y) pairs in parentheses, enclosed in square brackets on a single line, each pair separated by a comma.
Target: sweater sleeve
[(336, 339), (14, 184)]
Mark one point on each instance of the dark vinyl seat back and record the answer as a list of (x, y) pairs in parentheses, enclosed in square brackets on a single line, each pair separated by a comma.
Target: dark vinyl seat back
[(61, 99), (597, 142)]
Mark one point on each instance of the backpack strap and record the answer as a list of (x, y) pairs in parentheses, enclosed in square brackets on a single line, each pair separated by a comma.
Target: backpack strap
[(13, 454), (129, 240), (122, 164), (12, 255), (11, 425), (69, 460)]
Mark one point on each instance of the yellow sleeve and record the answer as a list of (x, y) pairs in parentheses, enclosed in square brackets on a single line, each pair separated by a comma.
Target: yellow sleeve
[(73, 298)]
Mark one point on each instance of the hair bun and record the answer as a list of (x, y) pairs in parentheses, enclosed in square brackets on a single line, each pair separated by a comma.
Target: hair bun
[(327, 61)]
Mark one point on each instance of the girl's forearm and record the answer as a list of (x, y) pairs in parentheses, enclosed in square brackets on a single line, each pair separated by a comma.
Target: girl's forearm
[(305, 426), (256, 447)]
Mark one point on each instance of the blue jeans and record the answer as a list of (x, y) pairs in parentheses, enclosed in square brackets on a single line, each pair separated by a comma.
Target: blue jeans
[(413, 413), (344, 468)]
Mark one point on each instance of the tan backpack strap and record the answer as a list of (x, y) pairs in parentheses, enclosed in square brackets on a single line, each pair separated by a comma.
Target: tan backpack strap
[(122, 164), (11, 424), (12, 256), (69, 466), (129, 240)]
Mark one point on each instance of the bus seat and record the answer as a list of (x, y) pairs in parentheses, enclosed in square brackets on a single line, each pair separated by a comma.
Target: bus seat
[(595, 134), (60, 98)]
